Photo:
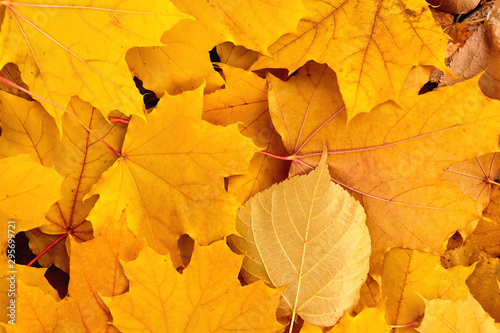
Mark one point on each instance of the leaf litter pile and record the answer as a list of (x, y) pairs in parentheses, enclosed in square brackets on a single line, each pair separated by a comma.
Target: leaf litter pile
[(257, 166)]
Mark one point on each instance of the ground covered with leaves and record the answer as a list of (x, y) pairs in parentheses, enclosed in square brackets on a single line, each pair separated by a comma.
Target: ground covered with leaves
[(257, 166)]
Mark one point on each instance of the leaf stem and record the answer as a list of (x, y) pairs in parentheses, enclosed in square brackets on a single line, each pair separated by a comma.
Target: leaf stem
[(292, 322), (61, 108), (54, 243), (279, 157), (491, 181), (115, 120)]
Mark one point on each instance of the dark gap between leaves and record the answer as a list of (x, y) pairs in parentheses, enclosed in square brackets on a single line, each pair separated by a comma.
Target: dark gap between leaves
[(149, 97)]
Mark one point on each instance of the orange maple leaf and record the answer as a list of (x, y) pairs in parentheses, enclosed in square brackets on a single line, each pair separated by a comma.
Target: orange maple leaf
[(170, 177)]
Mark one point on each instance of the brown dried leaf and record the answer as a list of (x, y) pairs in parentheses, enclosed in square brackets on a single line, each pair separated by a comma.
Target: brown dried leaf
[(469, 60), (11, 72), (455, 6), (458, 32)]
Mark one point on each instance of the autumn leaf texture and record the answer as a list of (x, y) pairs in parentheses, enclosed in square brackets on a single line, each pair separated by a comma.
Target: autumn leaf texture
[(248, 166)]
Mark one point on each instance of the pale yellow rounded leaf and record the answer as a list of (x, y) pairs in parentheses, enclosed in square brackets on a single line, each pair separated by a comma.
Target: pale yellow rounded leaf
[(309, 234)]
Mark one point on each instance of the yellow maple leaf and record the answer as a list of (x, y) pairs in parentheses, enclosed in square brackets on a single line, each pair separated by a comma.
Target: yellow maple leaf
[(206, 297), (76, 154), (244, 100), (27, 190), (36, 310), (79, 48), (177, 66), (371, 45), (393, 157), (250, 23), (183, 62), (35, 277), (307, 328), (27, 129), (410, 275), (170, 177), (464, 316), (81, 158), (369, 320), (96, 271), (236, 55), (30, 276)]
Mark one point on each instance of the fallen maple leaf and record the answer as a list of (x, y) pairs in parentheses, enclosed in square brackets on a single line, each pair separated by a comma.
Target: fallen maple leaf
[(77, 155), (459, 316), (408, 275), (27, 190), (369, 320), (236, 56), (251, 23), (170, 176), (81, 158), (310, 235), (206, 297), (27, 129), (37, 310), (183, 63), (78, 49), (393, 156), (244, 100), (175, 67), (24, 275), (371, 45), (83, 310)]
